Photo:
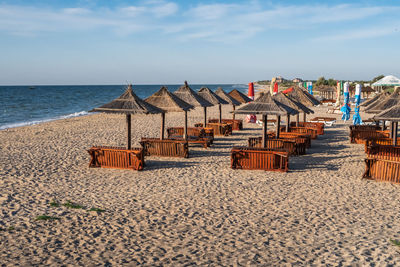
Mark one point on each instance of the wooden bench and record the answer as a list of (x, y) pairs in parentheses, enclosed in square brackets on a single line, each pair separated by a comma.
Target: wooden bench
[(165, 148), (318, 126), (383, 163), (299, 138), (196, 135), (304, 130), (365, 127), (290, 146), (358, 136), (116, 157), (259, 159), (224, 129), (237, 125), (379, 141)]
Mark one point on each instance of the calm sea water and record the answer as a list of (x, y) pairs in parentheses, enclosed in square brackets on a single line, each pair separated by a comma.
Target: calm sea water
[(23, 105)]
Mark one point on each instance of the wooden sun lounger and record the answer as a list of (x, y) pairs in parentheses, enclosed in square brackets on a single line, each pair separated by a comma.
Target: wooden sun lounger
[(365, 127), (358, 136), (116, 157), (203, 135), (290, 146), (380, 141), (205, 142), (299, 138), (259, 159), (319, 126), (224, 129), (383, 163), (237, 125), (165, 148), (302, 130)]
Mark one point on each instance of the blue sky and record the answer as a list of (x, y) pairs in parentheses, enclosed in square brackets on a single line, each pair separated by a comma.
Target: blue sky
[(167, 42)]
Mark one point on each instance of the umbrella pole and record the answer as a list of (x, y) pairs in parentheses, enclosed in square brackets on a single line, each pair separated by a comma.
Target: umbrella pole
[(128, 131), (383, 125), (297, 119), (304, 117), (278, 126), (205, 117), (264, 130), (391, 130), (396, 125), (288, 122), (233, 116), (162, 126), (185, 130), (220, 113)]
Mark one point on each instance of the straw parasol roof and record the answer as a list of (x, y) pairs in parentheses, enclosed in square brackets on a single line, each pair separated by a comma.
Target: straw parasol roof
[(239, 96), (265, 105), (191, 97), (128, 103), (284, 99), (325, 88), (221, 93), (303, 97), (211, 97), (374, 99), (391, 114), (387, 103), (167, 101)]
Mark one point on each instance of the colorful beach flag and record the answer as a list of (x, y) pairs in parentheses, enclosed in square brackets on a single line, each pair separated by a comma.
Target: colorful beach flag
[(356, 117)]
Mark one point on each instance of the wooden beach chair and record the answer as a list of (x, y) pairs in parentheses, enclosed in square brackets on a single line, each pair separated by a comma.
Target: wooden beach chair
[(237, 125), (290, 146), (259, 159), (116, 157), (383, 163), (359, 136), (196, 135), (302, 130), (223, 129), (299, 138), (165, 148), (318, 126), (379, 141)]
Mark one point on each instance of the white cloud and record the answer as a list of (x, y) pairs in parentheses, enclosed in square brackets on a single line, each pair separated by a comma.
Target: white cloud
[(360, 34), (212, 22)]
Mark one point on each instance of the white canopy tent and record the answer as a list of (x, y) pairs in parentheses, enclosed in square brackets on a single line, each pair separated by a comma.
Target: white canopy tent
[(388, 80)]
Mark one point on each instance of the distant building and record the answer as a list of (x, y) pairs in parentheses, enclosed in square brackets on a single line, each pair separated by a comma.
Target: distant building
[(297, 80), (280, 79)]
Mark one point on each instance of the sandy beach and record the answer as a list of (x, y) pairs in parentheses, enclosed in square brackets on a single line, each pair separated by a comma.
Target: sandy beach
[(194, 211)]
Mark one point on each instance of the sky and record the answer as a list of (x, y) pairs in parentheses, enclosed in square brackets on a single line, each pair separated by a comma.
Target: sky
[(166, 42)]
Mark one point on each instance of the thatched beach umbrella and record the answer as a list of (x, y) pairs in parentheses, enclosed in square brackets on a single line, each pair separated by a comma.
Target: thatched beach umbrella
[(211, 97), (374, 99), (128, 103), (388, 102), (170, 103), (191, 97), (304, 98), (393, 115), (239, 96), (290, 102), (265, 105), (221, 93)]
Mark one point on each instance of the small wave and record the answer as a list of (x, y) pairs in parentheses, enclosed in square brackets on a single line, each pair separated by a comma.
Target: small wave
[(27, 123)]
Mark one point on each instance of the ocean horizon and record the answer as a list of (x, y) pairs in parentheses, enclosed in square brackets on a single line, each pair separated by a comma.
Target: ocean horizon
[(23, 105)]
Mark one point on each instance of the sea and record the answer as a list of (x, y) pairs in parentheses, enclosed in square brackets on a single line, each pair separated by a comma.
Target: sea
[(28, 105)]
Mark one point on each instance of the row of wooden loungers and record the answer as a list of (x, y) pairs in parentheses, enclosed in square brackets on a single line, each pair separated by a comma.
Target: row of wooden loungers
[(173, 146), (382, 161), (275, 156)]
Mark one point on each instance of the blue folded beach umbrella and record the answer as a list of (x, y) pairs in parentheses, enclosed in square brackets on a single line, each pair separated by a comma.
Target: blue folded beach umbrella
[(345, 109), (356, 117)]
